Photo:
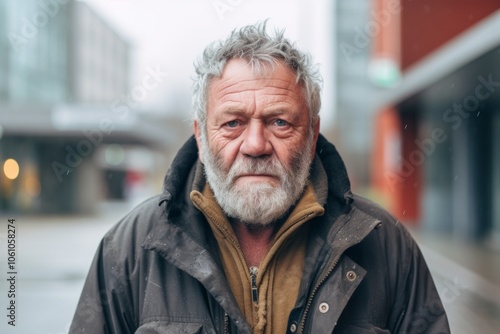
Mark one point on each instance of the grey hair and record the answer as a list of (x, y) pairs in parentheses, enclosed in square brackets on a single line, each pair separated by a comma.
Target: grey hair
[(255, 45)]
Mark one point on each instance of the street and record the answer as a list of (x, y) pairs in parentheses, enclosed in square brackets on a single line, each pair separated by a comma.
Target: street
[(53, 257)]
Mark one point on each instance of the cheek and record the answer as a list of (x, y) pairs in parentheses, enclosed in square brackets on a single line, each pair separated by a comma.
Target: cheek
[(225, 152), (288, 151)]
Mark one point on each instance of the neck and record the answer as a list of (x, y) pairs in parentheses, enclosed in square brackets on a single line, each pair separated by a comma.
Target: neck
[(255, 241)]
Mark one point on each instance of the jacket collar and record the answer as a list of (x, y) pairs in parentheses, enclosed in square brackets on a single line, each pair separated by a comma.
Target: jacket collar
[(175, 180), (339, 187)]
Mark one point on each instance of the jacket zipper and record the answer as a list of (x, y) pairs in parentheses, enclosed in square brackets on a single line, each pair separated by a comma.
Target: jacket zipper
[(226, 323), (316, 288), (253, 277), (255, 270), (255, 295), (311, 297)]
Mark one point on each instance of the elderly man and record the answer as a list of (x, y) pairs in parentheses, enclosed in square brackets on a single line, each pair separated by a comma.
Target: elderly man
[(256, 230)]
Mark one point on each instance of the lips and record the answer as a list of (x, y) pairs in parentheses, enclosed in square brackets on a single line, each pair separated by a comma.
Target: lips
[(256, 175)]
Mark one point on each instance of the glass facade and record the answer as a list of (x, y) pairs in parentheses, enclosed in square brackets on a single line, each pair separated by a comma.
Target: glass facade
[(354, 112), (52, 53), (36, 37), (3, 53), (99, 59)]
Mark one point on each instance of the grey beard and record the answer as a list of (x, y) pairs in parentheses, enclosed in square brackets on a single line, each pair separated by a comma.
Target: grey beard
[(257, 204)]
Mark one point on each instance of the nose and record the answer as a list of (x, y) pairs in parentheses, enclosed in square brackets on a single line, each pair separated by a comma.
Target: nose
[(256, 140)]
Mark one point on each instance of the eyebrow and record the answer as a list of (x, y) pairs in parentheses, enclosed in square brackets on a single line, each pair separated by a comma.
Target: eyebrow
[(265, 113), (273, 112), (231, 111), (228, 111), (235, 111)]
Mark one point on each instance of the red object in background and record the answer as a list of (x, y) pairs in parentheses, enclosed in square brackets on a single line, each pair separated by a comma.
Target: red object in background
[(421, 28), (134, 177), (428, 24)]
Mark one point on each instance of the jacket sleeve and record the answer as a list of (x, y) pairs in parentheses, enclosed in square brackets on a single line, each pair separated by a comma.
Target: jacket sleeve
[(418, 307), (103, 306)]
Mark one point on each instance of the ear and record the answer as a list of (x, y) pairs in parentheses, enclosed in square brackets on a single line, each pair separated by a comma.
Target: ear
[(316, 134), (197, 135)]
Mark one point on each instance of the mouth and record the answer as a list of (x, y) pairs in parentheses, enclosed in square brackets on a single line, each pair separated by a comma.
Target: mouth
[(257, 177)]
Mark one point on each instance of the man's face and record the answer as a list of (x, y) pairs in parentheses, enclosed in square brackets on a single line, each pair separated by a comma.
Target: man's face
[(259, 141)]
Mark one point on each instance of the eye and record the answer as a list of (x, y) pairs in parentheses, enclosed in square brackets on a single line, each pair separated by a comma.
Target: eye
[(280, 122), (232, 124)]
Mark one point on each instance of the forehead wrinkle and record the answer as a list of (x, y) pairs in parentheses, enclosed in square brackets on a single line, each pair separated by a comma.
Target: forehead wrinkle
[(271, 99), (226, 85), (271, 93)]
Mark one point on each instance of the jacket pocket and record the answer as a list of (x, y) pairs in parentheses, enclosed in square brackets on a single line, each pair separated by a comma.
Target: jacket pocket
[(167, 327)]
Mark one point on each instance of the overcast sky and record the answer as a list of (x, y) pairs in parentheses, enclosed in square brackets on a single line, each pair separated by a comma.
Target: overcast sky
[(171, 34)]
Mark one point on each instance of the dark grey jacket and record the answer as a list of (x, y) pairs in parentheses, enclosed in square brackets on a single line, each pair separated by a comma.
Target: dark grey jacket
[(158, 270)]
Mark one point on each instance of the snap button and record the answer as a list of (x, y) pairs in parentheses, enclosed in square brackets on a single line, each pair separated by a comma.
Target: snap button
[(324, 307), (351, 275), (293, 327)]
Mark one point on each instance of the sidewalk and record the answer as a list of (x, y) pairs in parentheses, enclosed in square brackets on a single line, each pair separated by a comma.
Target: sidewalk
[(54, 254), (467, 276)]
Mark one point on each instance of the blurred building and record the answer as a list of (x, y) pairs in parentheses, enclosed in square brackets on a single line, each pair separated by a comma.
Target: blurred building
[(436, 158), (354, 112), (361, 72), (98, 58), (69, 126)]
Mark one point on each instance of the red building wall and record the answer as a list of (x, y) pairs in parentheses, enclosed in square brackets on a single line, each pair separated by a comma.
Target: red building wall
[(428, 24), (419, 28)]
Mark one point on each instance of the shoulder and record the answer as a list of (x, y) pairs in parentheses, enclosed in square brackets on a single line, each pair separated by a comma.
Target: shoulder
[(388, 246), (373, 209), (137, 223), (390, 227), (122, 243), (393, 259)]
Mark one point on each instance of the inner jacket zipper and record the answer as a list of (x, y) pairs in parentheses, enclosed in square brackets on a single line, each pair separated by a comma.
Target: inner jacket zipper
[(254, 270), (253, 277), (255, 295)]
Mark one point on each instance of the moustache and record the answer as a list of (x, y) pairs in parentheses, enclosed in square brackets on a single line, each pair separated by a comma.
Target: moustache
[(245, 166)]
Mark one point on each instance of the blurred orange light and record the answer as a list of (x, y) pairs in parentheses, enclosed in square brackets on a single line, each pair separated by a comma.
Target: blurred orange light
[(32, 186), (11, 169)]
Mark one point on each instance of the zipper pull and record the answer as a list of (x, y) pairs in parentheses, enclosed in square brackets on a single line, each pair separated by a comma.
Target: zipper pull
[(253, 277), (226, 323)]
